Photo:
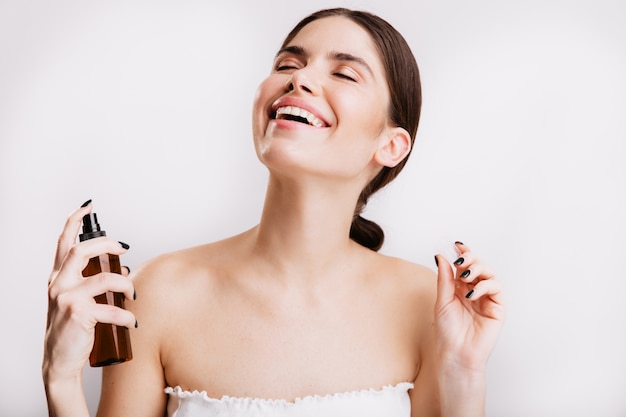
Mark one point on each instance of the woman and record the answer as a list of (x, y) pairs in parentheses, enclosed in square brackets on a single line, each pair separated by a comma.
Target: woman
[(299, 315)]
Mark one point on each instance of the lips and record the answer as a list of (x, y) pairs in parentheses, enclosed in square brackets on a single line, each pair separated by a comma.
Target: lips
[(298, 111), (298, 114)]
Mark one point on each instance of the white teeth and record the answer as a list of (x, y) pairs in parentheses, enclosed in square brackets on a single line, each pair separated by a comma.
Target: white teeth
[(297, 111)]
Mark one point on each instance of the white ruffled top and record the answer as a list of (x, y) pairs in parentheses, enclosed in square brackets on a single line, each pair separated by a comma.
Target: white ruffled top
[(389, 401)]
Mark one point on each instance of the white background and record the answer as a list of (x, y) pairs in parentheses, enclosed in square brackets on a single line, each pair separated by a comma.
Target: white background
[(145, 108)]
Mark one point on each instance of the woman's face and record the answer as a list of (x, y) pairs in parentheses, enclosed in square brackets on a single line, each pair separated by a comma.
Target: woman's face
[(323, 108)]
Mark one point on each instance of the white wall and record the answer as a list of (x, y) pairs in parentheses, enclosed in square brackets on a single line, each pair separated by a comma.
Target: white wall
[(145, 107)]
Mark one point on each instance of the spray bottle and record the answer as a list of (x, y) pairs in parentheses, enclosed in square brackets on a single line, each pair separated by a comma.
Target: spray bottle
[(112, 343)]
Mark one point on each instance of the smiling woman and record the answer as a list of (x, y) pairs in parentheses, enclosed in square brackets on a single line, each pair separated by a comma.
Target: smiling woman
[(305, 316)]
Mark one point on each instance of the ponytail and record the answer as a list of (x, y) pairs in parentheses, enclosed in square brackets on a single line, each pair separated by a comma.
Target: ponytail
[(362, 231), (367, 233)]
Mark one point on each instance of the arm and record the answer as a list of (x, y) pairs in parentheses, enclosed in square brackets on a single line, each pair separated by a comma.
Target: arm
[(135, 388), (65, 397), (73, 314), (469, 313), (454, 350)]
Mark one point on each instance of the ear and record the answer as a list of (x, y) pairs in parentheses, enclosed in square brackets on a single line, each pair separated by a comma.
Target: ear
[(395, 146)]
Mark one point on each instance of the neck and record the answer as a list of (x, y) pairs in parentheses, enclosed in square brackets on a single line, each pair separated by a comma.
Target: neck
[(304, 229)]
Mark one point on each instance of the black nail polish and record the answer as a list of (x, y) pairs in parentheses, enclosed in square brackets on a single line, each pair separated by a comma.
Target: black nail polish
[(458, 243), (459, 261), (134, 294), (86, 203), (127, 268), (124, 245), (436, 261), (466, 274), (469, 294), (136, 324)]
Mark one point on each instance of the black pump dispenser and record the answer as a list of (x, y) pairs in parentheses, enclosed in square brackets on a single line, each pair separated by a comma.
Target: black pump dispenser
[(91, 227)]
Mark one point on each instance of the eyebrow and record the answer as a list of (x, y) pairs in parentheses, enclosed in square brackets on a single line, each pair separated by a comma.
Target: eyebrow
[(335, 56)]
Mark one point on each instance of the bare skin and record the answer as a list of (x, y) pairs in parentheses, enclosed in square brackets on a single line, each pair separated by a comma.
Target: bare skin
[(292, 307), (260, 335)]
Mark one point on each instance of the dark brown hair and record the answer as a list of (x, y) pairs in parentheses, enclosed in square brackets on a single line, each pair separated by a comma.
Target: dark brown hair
[(405, 90)]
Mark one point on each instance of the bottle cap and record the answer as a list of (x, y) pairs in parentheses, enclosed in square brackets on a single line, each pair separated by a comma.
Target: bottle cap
[(91, 227)]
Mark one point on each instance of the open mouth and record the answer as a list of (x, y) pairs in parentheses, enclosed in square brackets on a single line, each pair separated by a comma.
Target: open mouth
[(299, 115)]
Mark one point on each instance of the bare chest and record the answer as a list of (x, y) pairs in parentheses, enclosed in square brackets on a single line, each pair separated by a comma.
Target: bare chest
[(240, 350)]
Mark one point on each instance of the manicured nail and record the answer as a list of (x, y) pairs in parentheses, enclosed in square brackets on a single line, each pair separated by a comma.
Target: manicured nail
[(458, 243), (436, 261), (124, 245), (466, 274), (136, 324), (134, 294), (86, 203), (126, 268), (459, 261), (469, 294)]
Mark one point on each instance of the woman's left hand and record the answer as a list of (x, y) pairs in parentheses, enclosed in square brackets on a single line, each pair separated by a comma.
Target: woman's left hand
[(469, 311)]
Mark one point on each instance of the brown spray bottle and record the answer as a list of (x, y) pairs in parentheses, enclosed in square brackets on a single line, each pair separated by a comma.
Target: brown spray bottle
[(112, 343)]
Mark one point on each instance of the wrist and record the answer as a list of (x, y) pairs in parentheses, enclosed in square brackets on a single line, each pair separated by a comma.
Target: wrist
[(52, 374), (462, 390), (56, 385), (59, 382), (64, 395), (466, 363)]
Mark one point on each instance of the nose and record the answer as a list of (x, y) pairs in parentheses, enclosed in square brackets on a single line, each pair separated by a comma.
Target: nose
[(302, 80)]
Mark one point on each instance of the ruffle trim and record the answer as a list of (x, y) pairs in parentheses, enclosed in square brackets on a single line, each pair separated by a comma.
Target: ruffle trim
[(180, 393)]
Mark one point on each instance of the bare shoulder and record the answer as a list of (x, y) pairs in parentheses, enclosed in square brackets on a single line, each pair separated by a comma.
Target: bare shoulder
[(178, 277), (165, 287), (406, 279), (410, 292)]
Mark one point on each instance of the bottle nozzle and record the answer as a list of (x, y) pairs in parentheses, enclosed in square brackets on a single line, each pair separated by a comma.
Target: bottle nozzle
[(91, 227)]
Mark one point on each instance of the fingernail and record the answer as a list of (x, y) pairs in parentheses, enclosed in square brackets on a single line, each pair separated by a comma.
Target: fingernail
[(468, 295), (136, 324), (466, 274), (458, 243), (127, 268), (134, 295), (436, 261), (124, 245), (86, 203), (459, 261)]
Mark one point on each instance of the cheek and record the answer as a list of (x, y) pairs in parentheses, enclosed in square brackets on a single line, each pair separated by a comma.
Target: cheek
[(268, 91), (365, 111), (257, 104)]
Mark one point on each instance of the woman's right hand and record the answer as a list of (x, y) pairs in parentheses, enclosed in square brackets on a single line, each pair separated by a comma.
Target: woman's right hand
[(72, 310)]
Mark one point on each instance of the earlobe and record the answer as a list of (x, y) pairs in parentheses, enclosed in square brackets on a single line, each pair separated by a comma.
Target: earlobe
[(396, 147)]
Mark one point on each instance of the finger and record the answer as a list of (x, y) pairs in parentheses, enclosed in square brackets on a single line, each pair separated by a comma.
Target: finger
[(464, 264), (125, 270), (464, 259), (470, 267), (445, 282), (107, 281), (491, 288), (475, 272), (79, 254), (78, 257), (68, 236), (461, 247), (90, 287), (105, 313)]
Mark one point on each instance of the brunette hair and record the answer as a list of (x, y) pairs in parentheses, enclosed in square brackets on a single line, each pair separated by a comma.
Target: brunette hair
[(405, 90)]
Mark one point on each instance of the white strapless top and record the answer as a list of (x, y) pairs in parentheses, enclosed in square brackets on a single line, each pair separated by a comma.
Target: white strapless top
[(389, 401)]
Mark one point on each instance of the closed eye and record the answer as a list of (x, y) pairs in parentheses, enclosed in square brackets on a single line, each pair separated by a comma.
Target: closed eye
[(344, 76), (285, 67)]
